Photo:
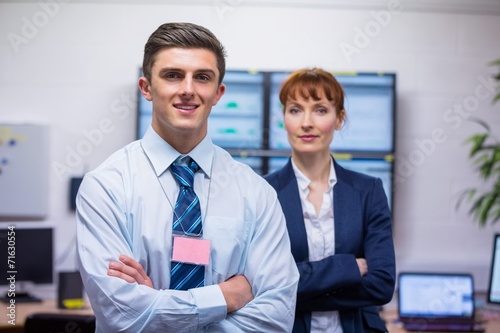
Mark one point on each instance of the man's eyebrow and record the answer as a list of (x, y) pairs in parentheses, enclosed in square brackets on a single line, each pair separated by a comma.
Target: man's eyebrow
[(169, 69), (206, 70), (175, 69)]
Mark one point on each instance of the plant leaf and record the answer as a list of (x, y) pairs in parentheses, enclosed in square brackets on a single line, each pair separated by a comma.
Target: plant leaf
[(497, 97), (477, 143), (485, 155), (494, 62), (481, 122)]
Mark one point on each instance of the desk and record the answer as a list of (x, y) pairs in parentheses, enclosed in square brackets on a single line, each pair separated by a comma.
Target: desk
[(23, 310), (390, 316)]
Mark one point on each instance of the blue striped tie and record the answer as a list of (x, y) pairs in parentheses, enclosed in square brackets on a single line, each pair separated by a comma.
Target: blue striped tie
[(187, 220)]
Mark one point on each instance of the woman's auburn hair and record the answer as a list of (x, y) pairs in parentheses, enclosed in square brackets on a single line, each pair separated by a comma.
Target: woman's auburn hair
[(312, 83)]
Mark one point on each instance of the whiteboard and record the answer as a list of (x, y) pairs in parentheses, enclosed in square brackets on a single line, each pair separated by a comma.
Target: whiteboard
[(24, 171)]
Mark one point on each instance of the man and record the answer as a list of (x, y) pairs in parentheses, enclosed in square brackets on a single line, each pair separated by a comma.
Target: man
[(139, 207)]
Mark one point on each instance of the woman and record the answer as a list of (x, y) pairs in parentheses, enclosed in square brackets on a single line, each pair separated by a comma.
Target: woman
[(338, 220)]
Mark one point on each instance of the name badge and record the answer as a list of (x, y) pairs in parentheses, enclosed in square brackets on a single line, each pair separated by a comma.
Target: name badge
[(191, 250)]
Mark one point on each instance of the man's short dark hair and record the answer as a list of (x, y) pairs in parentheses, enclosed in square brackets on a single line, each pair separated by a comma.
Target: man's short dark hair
[(182, 35)]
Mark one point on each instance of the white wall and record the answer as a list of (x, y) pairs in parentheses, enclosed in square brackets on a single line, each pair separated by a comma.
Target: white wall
[(78, 69)]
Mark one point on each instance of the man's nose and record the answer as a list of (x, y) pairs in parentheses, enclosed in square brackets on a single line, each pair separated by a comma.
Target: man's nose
[(187, 88)]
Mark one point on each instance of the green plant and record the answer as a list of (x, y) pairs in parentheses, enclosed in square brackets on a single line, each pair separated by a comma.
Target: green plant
[(485, 154)]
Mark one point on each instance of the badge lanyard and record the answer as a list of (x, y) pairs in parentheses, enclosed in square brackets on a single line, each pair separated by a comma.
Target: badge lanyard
[(170, 202)]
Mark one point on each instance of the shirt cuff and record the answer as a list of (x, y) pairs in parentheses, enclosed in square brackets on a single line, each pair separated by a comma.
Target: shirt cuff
[(211, 304)]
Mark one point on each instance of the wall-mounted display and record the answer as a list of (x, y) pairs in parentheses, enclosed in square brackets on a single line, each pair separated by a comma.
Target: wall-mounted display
[(248, 122)]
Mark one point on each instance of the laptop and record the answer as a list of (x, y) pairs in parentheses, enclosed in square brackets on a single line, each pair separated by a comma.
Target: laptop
[(437, 302)]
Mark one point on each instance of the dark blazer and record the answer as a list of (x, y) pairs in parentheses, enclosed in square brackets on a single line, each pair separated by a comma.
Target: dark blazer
[(363, 229)]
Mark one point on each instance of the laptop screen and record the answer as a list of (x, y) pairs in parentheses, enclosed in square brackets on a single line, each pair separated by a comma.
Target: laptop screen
[(494, 281), (435, 295)]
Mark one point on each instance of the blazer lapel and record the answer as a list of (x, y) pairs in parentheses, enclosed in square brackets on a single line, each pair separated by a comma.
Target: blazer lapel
[(346, 210), (288, 193)]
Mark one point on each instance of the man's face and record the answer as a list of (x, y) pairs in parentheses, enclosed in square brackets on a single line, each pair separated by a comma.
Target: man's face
[(184, 87)]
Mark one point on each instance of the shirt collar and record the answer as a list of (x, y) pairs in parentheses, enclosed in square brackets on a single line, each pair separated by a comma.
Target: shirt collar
[(162, 154), (303, 182)]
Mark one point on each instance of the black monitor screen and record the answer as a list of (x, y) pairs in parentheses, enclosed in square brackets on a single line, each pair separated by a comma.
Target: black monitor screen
[(26, 254), (369, 104), (494, 281)]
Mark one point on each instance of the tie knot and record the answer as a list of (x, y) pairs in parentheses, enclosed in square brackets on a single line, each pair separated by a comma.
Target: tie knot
[(184, 174)]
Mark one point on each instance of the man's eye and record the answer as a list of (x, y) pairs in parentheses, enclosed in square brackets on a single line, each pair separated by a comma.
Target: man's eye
[(172, 75), (203, 77)]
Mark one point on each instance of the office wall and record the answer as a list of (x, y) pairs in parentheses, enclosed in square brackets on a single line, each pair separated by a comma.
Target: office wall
[(73, 65)]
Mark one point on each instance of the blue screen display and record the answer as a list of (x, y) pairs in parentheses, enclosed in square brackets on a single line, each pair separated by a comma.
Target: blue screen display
[(248, 122), (378, 168), (237, 119), (369, 105)]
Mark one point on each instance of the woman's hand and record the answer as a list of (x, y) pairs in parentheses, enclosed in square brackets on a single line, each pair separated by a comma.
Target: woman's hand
[(362, 265)]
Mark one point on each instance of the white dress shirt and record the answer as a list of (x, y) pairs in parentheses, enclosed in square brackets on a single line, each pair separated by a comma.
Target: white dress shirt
[(124, 206), (320, 229)]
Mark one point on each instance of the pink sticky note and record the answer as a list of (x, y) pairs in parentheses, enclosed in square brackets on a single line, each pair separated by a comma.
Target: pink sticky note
[(191, 250)]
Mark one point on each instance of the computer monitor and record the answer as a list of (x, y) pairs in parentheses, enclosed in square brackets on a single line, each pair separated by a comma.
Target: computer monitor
[(248, 121), (493, 296), (378, 168), (26, 255), (370, 108), (236, 121)]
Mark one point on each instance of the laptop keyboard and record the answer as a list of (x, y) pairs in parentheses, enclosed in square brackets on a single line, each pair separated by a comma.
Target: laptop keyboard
[(443, 327)]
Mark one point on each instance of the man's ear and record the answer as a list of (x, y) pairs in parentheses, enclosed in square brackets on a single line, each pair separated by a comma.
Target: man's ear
[(145, 88), (220, 91)]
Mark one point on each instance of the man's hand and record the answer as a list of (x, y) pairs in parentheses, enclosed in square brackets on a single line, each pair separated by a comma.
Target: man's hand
[(129, 270), (237, 292), (362, 265)]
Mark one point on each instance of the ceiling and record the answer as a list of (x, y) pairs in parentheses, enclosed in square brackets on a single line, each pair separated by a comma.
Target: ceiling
[(478, 7)]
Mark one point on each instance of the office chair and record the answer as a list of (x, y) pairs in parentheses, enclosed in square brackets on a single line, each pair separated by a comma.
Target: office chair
[(56, 322)]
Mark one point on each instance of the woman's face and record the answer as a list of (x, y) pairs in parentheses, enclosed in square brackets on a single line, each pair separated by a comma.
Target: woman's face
[(310, 124)]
